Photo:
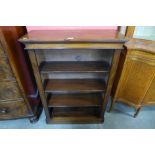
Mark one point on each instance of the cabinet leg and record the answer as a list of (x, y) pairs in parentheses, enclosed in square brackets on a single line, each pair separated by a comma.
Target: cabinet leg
[(137, 112), (37, 114), (33, 119)]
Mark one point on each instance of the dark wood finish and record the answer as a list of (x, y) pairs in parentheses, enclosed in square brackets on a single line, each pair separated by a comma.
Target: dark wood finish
[(75, 119), (67, 99), (75, 85), (74, 46), (74, 114), (111, 77), (15, 93), (46, 36), (74, 66), (2, 54), (39, 82), (75, 100), (135, 84), (74, 111)]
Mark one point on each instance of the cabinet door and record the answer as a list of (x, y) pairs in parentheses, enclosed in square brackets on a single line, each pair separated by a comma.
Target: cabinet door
[(149, 98), (137, 75)]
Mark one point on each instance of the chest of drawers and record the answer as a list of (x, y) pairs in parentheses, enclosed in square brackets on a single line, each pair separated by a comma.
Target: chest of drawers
[(14, 102)]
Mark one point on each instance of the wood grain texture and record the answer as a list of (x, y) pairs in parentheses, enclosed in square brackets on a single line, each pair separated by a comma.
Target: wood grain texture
[(8, 39), (2, 53), (75, 115), (149, 98), (133, 82), (112, 74), (5, 70), (74, 66), (75, 100), (13, 110), (69, 48), (141, 45), (75, 85), (72, 36), (130, 31), (74, 46), (47, 67), (136, 80), (74, 119), (37, 75), (9, 91), (16, 69)]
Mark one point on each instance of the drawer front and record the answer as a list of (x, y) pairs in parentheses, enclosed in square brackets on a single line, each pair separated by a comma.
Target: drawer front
[(9, 91), (5, 70), (2, 54), (13, 110)]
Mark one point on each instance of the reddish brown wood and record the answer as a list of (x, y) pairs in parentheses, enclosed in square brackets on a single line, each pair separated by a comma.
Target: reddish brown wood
[(73, 36), (75, 77), (75, 100), (75, 85), (74, 66)]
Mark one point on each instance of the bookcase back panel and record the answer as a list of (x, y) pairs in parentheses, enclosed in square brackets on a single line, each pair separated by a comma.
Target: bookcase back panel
[(74, 55)]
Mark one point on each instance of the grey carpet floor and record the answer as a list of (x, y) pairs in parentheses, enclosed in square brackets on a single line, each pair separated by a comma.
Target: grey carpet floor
[(120, 118)]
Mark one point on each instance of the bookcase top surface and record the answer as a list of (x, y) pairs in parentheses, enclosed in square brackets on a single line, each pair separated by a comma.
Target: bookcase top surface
[(41, 36)]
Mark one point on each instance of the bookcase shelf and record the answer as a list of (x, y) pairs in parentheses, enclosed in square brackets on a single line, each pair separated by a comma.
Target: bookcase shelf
[(75, 100), (74, 85), (74, 66)]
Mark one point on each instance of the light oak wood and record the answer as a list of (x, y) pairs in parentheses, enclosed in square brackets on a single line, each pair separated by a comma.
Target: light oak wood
[(136, 82), (130, 31)]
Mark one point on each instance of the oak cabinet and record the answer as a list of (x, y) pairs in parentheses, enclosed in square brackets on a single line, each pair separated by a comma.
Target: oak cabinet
[(136, 84)]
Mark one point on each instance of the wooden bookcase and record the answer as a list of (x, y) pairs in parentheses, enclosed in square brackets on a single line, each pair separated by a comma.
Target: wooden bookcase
[(74, 71)]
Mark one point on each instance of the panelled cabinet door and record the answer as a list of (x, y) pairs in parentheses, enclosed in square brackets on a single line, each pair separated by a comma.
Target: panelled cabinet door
[(149, 98), (137, 75)]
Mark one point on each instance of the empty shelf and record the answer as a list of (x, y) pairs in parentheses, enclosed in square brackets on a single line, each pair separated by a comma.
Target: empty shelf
[(75, 100), (74, 115), (74, 66), (72, 119), (74, 85)]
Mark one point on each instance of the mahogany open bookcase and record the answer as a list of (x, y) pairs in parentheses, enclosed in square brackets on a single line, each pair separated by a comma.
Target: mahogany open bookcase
[(74, 71)]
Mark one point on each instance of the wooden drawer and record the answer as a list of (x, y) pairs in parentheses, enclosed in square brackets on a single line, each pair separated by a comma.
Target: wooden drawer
[(5, 70), (9, 91), (13, 110), (2, 54)]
